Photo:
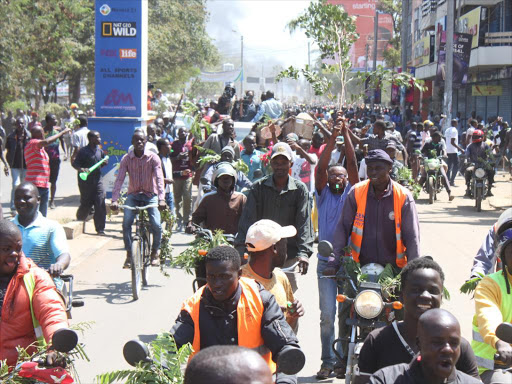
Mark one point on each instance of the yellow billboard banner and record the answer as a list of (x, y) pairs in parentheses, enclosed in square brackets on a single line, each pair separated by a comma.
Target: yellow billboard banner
[(421, 52), (470, 23), (487, 90)]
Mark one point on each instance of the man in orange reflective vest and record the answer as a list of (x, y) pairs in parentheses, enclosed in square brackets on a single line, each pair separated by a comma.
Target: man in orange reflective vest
[(233, 310), (379, 221)]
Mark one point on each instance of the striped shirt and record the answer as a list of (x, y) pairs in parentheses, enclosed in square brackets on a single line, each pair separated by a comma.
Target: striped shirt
[(38, 164), (44, 240), (145, 175)]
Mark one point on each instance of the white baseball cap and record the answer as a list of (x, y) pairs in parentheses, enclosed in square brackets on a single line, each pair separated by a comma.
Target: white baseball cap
[(265, 233)]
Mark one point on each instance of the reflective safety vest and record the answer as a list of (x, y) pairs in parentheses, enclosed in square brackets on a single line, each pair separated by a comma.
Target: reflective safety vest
[(249, 313), (356, 238), (484, 352), (30, 284)]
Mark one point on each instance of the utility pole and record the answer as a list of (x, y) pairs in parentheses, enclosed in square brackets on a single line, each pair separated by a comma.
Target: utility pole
[(404, 41), (375, 39), (241, 100), (309, 65), (448, 84), (367, 47)]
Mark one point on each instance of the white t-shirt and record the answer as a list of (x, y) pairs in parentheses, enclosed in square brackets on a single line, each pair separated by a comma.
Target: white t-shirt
[(79, 138), (304, 171), (362, 170), (469, 133), (167, 165), (449, 134)]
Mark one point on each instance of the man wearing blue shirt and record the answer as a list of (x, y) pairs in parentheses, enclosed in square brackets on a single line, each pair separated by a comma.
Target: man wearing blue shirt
[(251, 156), (44, 240), (270, 107), (332, 188)]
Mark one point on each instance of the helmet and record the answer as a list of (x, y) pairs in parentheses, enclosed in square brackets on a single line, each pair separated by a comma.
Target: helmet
[(504, 222), (504, 239), (223, 169), (479, 136), (428, 122)]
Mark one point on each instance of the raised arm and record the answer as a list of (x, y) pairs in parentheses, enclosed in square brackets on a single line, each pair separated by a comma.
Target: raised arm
[(350, 156), (54, 138), (321, 176)]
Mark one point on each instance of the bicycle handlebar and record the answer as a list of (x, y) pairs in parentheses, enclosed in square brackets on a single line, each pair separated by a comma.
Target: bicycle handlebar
[(138, 208)]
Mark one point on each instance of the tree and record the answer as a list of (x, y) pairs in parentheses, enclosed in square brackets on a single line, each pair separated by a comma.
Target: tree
[(392, 52), (178, 42)]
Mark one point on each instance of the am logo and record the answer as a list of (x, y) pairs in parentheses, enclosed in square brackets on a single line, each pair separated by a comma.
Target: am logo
[(115, 98)]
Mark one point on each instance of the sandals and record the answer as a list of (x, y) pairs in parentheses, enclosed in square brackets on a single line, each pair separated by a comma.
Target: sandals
[(323, 373)]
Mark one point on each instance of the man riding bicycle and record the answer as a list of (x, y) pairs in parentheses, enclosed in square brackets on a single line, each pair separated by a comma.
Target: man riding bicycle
[(146, 187)]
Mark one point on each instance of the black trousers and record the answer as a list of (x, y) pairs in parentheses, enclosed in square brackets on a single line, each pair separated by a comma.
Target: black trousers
[(92, 195)]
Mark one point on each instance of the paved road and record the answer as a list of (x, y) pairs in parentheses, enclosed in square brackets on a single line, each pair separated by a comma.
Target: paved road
[(450, 232)]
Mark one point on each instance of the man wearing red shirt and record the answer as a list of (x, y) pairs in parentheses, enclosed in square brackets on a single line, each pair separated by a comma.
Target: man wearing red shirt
[(317, 144), (38, 163)]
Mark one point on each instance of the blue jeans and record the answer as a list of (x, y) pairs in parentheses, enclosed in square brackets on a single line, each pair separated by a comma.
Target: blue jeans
[(129, 216), (44, 194), (328, 289), (169, 200), (18, 177), (453, 166)]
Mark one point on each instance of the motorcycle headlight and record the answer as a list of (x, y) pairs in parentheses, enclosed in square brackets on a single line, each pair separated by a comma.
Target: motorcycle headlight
[(480, 172), (368, 304)]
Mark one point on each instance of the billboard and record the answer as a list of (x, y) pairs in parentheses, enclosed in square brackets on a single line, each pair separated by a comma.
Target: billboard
[(421, 52), (470, 23), (364, 11), (461, 56), (440, 29), (121, 67), (487, 90)]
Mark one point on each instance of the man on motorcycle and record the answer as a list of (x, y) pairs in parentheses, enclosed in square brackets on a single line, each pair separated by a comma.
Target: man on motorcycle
[(332, 184), (422, 284), (432, 150), (227, 364), (44, 240), (25, 319), (234, 310), (266, 242), (227, 155), (439, 343), (379, 221), (221, 208), (486, 257), (493, 302), (478, 153)]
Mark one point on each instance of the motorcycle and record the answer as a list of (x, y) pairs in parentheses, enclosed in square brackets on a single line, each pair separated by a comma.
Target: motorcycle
[(478, 185), (63, 341), (368, 310), (433, 184)]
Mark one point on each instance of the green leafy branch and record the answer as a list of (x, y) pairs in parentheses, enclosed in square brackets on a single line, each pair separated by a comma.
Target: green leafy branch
[(469, 286)]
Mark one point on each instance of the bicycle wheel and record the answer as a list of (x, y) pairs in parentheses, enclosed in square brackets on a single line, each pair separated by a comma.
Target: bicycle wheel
[(146, 251), (136, 268)]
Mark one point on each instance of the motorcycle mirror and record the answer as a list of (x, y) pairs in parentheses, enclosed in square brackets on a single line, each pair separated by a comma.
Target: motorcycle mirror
[(135, 351), (203, 180), (64, 340), (290, 360), (504, 332), (325, 248)]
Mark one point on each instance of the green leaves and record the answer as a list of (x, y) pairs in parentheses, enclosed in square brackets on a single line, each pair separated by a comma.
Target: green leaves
[(470, 285), (163, 351)]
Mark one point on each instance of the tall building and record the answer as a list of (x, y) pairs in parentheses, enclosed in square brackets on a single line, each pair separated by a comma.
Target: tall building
[(482, 87)]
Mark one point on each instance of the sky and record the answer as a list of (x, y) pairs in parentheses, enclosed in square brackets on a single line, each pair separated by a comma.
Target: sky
[(267, 42)]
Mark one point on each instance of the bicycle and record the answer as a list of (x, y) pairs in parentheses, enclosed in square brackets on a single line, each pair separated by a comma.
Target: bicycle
[(141, 249)]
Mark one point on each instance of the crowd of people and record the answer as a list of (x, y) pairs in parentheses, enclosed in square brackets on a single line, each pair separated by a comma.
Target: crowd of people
[(276, 191)]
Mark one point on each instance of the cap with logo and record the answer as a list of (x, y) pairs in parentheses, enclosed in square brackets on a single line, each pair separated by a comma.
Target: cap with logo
[(282, 149), (265, 233)]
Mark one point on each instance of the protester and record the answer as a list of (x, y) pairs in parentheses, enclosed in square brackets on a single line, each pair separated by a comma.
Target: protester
[(251, 156), (234, 310), (217, 141), (422, 285), (164, 151), (38, 163), (493, 303), (332, 186), (221, 208), (479, 154), (51, 129), (92, 191), (15, 144), (17, 328), (182, 186), (283, 199), (269, 107), (440, 348), (44, 240), (452, 148), (146, 187), (79, 138), (227, 364), (266, 242), (227, 155)]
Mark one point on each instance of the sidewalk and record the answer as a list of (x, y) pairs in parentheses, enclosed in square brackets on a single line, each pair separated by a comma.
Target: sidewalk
[(502, 191)]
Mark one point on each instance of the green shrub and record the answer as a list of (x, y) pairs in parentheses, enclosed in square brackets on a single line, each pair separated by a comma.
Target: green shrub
[(56, 109), (12, 106)]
